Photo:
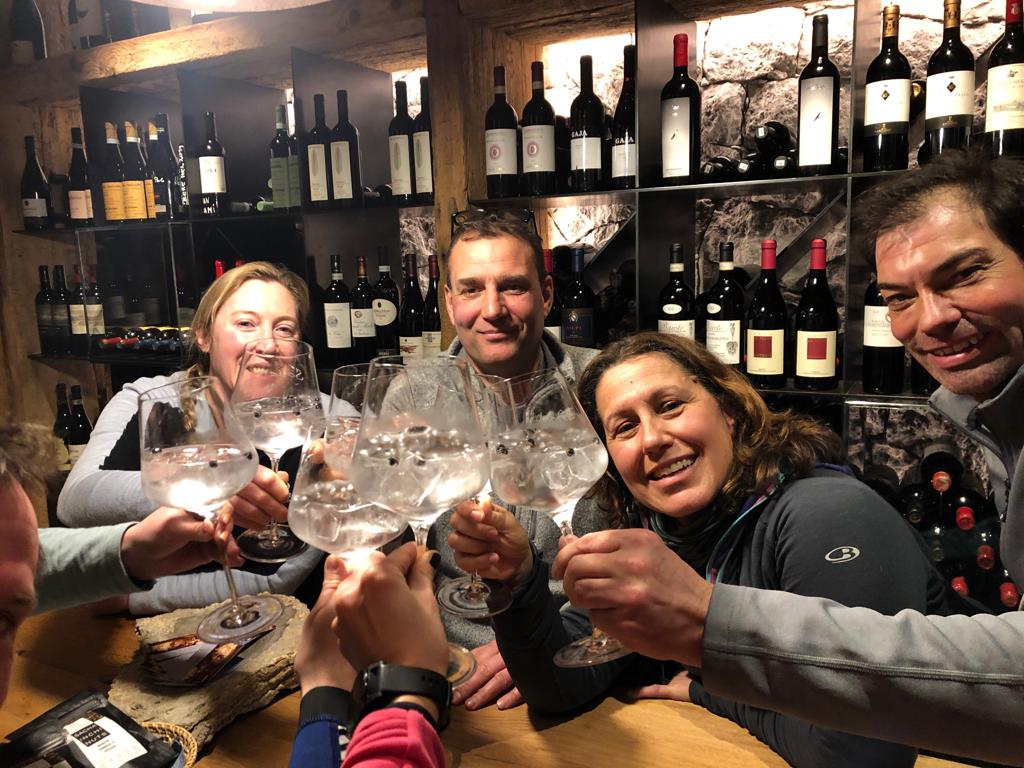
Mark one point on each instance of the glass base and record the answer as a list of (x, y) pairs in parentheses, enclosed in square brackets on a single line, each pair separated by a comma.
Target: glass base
[(263, 547), (596, 648), (461, 664), (223, 626), (474, 598)]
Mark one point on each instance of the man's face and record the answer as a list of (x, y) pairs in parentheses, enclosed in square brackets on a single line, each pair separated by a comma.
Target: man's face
[(955, 294), (497, 303), (19, 551)]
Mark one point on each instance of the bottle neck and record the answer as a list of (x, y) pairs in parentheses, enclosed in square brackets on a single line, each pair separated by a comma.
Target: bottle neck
[(586, 77), (500, 97), (1014, 16), (342, 107), (211, 128), (318, 113), (424, 101), (577, 265), (401, 103), (951, 22)]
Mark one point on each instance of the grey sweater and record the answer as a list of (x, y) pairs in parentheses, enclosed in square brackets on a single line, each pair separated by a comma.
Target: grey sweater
[(953, 684)]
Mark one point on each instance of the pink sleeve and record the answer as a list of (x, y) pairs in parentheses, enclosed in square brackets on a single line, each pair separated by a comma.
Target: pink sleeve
[(394, 738)]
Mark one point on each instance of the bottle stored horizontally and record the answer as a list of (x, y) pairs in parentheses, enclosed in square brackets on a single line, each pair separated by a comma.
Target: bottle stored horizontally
[(280, 150), (385, 307), (81, 428), (346, 160), (44, 315), (410, 320), (624, 126), (818, 106), (883, 357), (79, 192), (724, 312), (538, 139), (817, 328), (501, 164), (213, 185), (680, 119), (553, 319), (364, 332), (338, 317), (60, 303), (883, 480), (887, 94), (1004, 100), (767, 321), (61, 427), (318, 164), (968, 504), (949, 97), (586, 121), (432, 310), (35, 191), (675, 301), (918, 503), (423, 156), (400, 131), (578, 305), (138, 184)]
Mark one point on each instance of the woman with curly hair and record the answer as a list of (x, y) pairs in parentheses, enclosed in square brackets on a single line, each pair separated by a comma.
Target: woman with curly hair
[(701, 472)]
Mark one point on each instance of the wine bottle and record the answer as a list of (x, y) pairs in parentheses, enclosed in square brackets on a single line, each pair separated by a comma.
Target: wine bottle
[(88, 27), (81, 428), (624, 125), (410, 321), (883, 356), (967, 503), (949, 97), (35, 191), (1004, 107), (918, 503), (718, 169), (338, 317), (500, 142), (44, 315), (958, 576), (538, 139), (578, 304), (431, 311), (79, 191), (921, 382), (883, 480), (346, 162), (887, 101), (28, 41), (724, 312), (385, 307), (213, 187), (94, 317), (294, 174), (767, 320), (675, 302), (163, 164), (818, 106), (423, 159), (680, 119), (773, 139), (61, 427), (60, 310), (76, 311), (942, 469), (136, 174), (400, 132), (553, 319), (586, 121), (317, 152), (750, 167), (280, 151), (817, 327), (563, 155), (1007, 592)]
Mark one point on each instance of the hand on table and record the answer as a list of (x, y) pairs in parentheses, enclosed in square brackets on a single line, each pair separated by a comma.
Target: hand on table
[(318, 659), (487, 538), (491, 681), (262, 500), (677, 689), (170, 541)]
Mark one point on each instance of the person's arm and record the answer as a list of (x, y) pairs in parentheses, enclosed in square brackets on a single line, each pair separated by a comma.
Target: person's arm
[(393, 738)]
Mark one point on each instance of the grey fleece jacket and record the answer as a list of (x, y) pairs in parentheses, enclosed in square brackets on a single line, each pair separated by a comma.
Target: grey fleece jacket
[(953, 684)]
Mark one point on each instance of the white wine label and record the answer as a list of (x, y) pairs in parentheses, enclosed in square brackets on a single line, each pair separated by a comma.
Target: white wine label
[(431, 343), (401, 173), (338, 320), (316, 160), (33, 207), (554, 330), (585, 154), (410, 346), (150, 199), (949, 95), (1004, 110), (362, 324), (384, 312), (539, 149), (766, 352), (294, 181), (75, 453), (624, 160), (341, 170), (887, 102), (724, 340), (22, 52), (877, 330), (77, 320), (100, 742), (279, 183), (94, 316), (113, 200), (211, 176), (815, 137), (79, 201), (677, 328), (88, 202), (135, 200), (44, 317), (424, 162), (501, 152), (675, 138), (816, 354), (63, 465)]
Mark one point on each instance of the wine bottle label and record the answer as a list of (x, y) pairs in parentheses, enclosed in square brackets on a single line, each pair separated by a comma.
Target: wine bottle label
[(94, 316), (151, 309), (384, 312), (401, 174), (61, 319), (431, 343), (877, 330), (949, 100), (501, 152), (338, 320), (766, 352), (624, 160), (78, 203), (362, 324), (585, 153), (554, 330), (211, 176), (815, 138), (816, 354), (135, 200), (44, 318), (539, 149), (675, 138), (578, 326), (886, 107), (684, 328), (724, 340), (150, 199), (341, 170), (279, 183), (316, 160), (88, 202), (115, 306), (1004, 109), (22, 52), (33, 208), (74, 454), (294, 182), (113, 200), (410, 346), (78, 327), (63, 457), (423, 162)]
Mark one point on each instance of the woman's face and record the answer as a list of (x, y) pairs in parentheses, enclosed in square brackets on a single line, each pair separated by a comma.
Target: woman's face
[(666, 434), (259, 309)]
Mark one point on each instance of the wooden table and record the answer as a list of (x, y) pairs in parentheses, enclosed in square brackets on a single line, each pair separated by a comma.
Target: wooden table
[(61, 653)]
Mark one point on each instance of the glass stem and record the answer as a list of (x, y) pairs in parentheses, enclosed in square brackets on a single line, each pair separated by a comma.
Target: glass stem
[(273, 530), (420, 533), (235, 608)]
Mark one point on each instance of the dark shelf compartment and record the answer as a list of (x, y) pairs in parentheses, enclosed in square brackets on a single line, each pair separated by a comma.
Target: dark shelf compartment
[(563, 200), (856, 396), (414, 209), (136, 359)]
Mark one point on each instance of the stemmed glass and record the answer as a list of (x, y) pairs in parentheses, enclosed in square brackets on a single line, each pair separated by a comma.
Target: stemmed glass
[(348, 385), (277, 401), (196, 456)]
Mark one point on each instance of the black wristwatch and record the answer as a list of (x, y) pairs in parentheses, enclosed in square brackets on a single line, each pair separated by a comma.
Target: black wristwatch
[(380, 684)]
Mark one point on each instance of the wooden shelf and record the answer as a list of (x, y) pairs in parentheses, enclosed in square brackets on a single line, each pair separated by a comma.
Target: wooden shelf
[(134, 359)]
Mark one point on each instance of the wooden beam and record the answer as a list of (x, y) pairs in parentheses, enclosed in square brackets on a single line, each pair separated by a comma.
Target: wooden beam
[(541, 22)]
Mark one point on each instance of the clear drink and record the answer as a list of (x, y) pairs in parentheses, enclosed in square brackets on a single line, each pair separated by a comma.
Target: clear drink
[(276, 424), (340, 443), (332, 517), (196, 477)]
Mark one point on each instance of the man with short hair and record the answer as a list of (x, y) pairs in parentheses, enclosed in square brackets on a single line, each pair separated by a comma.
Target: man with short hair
[(948, 241)]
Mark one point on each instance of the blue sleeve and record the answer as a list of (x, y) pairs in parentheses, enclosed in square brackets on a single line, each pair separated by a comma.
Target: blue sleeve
[(316, 744)]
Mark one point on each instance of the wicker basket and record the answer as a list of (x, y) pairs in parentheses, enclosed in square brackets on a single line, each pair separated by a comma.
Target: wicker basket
[(170, 732)]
